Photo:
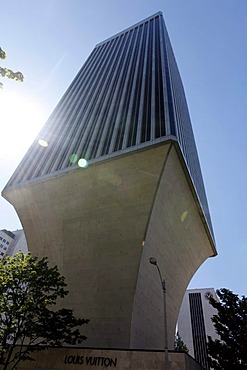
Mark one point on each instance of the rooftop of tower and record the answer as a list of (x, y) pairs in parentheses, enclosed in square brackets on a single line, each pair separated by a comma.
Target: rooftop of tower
[(159, 13)]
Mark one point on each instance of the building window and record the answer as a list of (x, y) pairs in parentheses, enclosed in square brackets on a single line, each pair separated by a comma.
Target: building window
[(198, 329)]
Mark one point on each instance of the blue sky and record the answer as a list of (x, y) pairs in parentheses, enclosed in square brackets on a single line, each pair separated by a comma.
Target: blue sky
[(49, 40)]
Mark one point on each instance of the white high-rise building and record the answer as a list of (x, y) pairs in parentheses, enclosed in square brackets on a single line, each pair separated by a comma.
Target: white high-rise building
[(6, 239), (12, 242), (195, 324)]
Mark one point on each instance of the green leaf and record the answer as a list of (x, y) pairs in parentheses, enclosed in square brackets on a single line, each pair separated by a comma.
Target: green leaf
[(29, 290)]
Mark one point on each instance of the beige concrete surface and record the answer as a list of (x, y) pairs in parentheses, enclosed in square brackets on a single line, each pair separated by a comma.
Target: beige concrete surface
[(92, 223), (176, 237)]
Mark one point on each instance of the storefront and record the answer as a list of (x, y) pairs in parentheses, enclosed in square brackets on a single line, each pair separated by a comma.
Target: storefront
[(82, 359)]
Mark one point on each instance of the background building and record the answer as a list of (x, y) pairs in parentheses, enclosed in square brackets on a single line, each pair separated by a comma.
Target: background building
[(6, 239), (194, 322), (140, 193), (12, 242)]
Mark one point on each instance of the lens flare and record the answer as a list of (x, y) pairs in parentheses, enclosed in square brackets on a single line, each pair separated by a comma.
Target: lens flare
[(82, 163), (43, 143), (73, 158), (184, 215)]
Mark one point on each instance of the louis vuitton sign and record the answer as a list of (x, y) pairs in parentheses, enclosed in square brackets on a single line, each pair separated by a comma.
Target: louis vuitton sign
[(90, 361)]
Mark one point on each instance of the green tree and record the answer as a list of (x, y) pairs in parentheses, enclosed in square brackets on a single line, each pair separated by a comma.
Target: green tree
[(29, 290), (6, 72), (230, 351), (179, 345)]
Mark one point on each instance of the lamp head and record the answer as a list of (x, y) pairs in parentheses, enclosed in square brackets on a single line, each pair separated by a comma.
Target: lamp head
[(153, 260)]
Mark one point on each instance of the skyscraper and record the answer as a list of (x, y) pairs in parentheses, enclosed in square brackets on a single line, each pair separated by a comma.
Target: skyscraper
[(6, 239), (12, 242), (194, 322), (141, 193)]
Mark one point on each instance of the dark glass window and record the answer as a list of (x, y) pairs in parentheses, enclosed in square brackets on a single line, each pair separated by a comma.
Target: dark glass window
[(198, 329)]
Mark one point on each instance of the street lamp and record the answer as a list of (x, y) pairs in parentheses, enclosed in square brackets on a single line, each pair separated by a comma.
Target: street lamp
[(153, 261)]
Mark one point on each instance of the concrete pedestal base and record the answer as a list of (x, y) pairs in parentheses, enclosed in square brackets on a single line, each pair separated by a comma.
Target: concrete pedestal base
[(101, 224)]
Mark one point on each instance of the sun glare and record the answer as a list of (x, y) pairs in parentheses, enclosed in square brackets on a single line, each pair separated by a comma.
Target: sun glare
[(43, 143), (21, 120), (82, 163)]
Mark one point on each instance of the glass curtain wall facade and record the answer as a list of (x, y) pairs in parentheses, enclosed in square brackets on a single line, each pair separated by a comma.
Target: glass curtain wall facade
[(128, 95)]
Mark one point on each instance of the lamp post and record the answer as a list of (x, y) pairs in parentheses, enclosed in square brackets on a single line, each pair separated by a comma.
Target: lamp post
[(153, 261)]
